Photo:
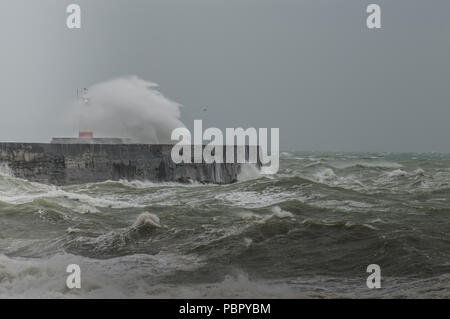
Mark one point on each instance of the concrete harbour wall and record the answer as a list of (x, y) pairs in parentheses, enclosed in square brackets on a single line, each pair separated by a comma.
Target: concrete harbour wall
[(65, 164)]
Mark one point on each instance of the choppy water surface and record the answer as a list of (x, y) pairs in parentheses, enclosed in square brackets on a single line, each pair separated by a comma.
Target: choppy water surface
[(309, 231)]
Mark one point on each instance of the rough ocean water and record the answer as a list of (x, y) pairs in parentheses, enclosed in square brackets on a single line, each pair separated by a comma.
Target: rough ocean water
[(308, 232)]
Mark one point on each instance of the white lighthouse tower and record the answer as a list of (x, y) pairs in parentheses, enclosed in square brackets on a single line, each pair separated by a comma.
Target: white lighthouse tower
[(84, 131)]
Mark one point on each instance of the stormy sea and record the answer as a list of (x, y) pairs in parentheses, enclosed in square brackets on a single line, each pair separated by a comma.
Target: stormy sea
[(310, 231)]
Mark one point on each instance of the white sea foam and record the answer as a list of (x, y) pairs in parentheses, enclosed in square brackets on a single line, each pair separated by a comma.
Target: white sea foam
[(325, 175), (147, 219), (248, 172), (253, 199), (73, 230), (371, 227), (127, 107), (248, 242), (278, 212), (5, 170), (344, 205), (239, 286), (120, 277), (396, 173), (372, 163), (28, 192), (148, 184)]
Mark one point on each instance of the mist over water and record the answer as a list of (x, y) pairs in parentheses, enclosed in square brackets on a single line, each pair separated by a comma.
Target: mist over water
[(126, 107)]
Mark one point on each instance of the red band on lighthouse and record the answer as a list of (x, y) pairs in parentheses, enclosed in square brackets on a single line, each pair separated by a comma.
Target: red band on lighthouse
[(85, 135)]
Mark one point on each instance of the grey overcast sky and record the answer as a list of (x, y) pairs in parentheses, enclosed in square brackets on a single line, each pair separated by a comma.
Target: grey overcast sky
[(309, 67)]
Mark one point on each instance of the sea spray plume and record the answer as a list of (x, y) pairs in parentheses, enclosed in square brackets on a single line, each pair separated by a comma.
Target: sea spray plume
[(127, 107)]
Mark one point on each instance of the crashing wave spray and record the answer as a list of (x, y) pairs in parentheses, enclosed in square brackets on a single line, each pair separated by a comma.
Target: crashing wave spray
[(128, 107)]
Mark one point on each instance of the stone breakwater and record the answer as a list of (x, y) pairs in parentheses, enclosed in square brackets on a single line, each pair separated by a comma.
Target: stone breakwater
[(66, 164)]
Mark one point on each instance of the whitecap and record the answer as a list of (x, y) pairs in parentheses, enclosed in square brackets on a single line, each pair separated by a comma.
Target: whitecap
[(278, 212), (147, 220), (325, 175), (396, 173), (248, 172)]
